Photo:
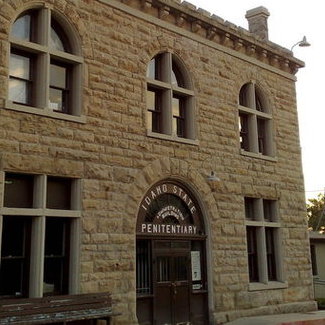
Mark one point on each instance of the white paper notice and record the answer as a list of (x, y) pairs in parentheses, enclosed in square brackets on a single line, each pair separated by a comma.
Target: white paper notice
[(196, 265)]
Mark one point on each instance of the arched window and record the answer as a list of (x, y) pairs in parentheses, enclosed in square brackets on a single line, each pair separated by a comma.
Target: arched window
[(45, 63), (255, 121), (169, 98)]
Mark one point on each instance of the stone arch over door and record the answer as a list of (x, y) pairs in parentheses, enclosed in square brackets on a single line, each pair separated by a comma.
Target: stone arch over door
[(196, 182), (172, 276)]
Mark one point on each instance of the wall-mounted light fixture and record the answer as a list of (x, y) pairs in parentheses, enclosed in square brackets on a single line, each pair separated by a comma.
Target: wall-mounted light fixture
[(213, 177), (302, 43)]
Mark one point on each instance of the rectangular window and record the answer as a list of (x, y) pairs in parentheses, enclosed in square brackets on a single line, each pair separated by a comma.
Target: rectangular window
[(32, 243), (261, 136), (243, 128), (20, 80), (270, 253), (56, 261), (262, 230), (249, 208), (144, 268), (178, 117), (313, 259), (15, 256), (252, 254), (154, 110), (59, 91), (58, 194), (18, 191), (269, 210)]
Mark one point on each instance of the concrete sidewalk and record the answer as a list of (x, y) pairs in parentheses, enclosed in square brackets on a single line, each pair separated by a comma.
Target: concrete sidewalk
[(310, 318)]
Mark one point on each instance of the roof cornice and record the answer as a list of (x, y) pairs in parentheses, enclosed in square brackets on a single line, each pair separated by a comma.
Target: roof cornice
[(213, 28)]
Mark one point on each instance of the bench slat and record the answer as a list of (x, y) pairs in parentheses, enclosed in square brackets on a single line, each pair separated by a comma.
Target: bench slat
[(53, 309)]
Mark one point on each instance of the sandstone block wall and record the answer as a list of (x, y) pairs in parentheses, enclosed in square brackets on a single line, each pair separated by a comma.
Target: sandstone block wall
[(118, 162)]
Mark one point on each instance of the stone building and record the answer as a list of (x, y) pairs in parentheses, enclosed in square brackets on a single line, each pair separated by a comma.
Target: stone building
[(150, 149)]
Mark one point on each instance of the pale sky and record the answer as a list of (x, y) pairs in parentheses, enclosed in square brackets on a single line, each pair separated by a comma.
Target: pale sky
[(289, 21)]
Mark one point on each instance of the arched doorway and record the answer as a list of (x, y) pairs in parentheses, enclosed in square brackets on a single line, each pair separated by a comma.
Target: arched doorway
[(171, 258)]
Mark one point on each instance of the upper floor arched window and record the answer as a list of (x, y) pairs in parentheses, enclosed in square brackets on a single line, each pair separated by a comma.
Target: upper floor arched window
[(45, 63), (170, 104), (255, 121)]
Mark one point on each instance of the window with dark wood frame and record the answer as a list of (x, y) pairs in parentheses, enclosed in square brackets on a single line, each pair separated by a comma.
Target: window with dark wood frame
[(252, 254), (15, 256), (18, 192), (56, 259), (243, 129), (29, 75), (270, 253), (26, 193), (169, 106)]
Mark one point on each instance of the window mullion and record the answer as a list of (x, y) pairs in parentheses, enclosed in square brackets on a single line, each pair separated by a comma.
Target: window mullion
[(74, 259), (253, 133), (43, 29), (166, 67), (166, 111), (41, 78), (189, 118), (39, 198), (251, 96), (278, 255), (37, 257), (262, 258)]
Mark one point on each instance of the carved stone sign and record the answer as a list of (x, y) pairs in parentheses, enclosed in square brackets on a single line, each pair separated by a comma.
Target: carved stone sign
[(169, 209)]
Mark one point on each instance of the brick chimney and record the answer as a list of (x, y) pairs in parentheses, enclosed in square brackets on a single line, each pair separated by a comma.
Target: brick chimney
[(257, 22)]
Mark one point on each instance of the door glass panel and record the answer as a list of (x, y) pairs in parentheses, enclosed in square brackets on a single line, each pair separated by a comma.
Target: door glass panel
[(180, 267), (143, 267), (163, 268)]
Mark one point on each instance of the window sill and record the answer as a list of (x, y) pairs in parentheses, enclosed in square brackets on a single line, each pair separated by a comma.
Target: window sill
[(173, 138), (44, 112), (257, 155), (272, 285)]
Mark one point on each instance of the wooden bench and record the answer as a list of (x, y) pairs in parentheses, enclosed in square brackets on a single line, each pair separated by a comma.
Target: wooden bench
[(57, 309)]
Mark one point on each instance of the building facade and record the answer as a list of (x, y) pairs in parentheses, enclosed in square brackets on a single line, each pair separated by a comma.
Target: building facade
[(150, 149)]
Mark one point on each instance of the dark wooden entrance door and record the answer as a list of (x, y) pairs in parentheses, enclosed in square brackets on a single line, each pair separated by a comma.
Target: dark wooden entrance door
[(172, 292)]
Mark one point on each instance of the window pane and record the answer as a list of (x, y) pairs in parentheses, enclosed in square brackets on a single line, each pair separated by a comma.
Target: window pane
[(19, 66), (313, 259), (243, 130), (58, 76), (261, 135), (15, 252), (18, 91), (269, 209), (258, 102), (176, 107), (153, 106), (180, 268), (252, 254), (144, 267), (178, 117), (151, 69), (163, 269), (151, 100), (243, 95), (56, 255), (55, 41), (249, 208), (18, 191), (56, 99), (22, 28), (58, 195), (177, 78), (270, 253)]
